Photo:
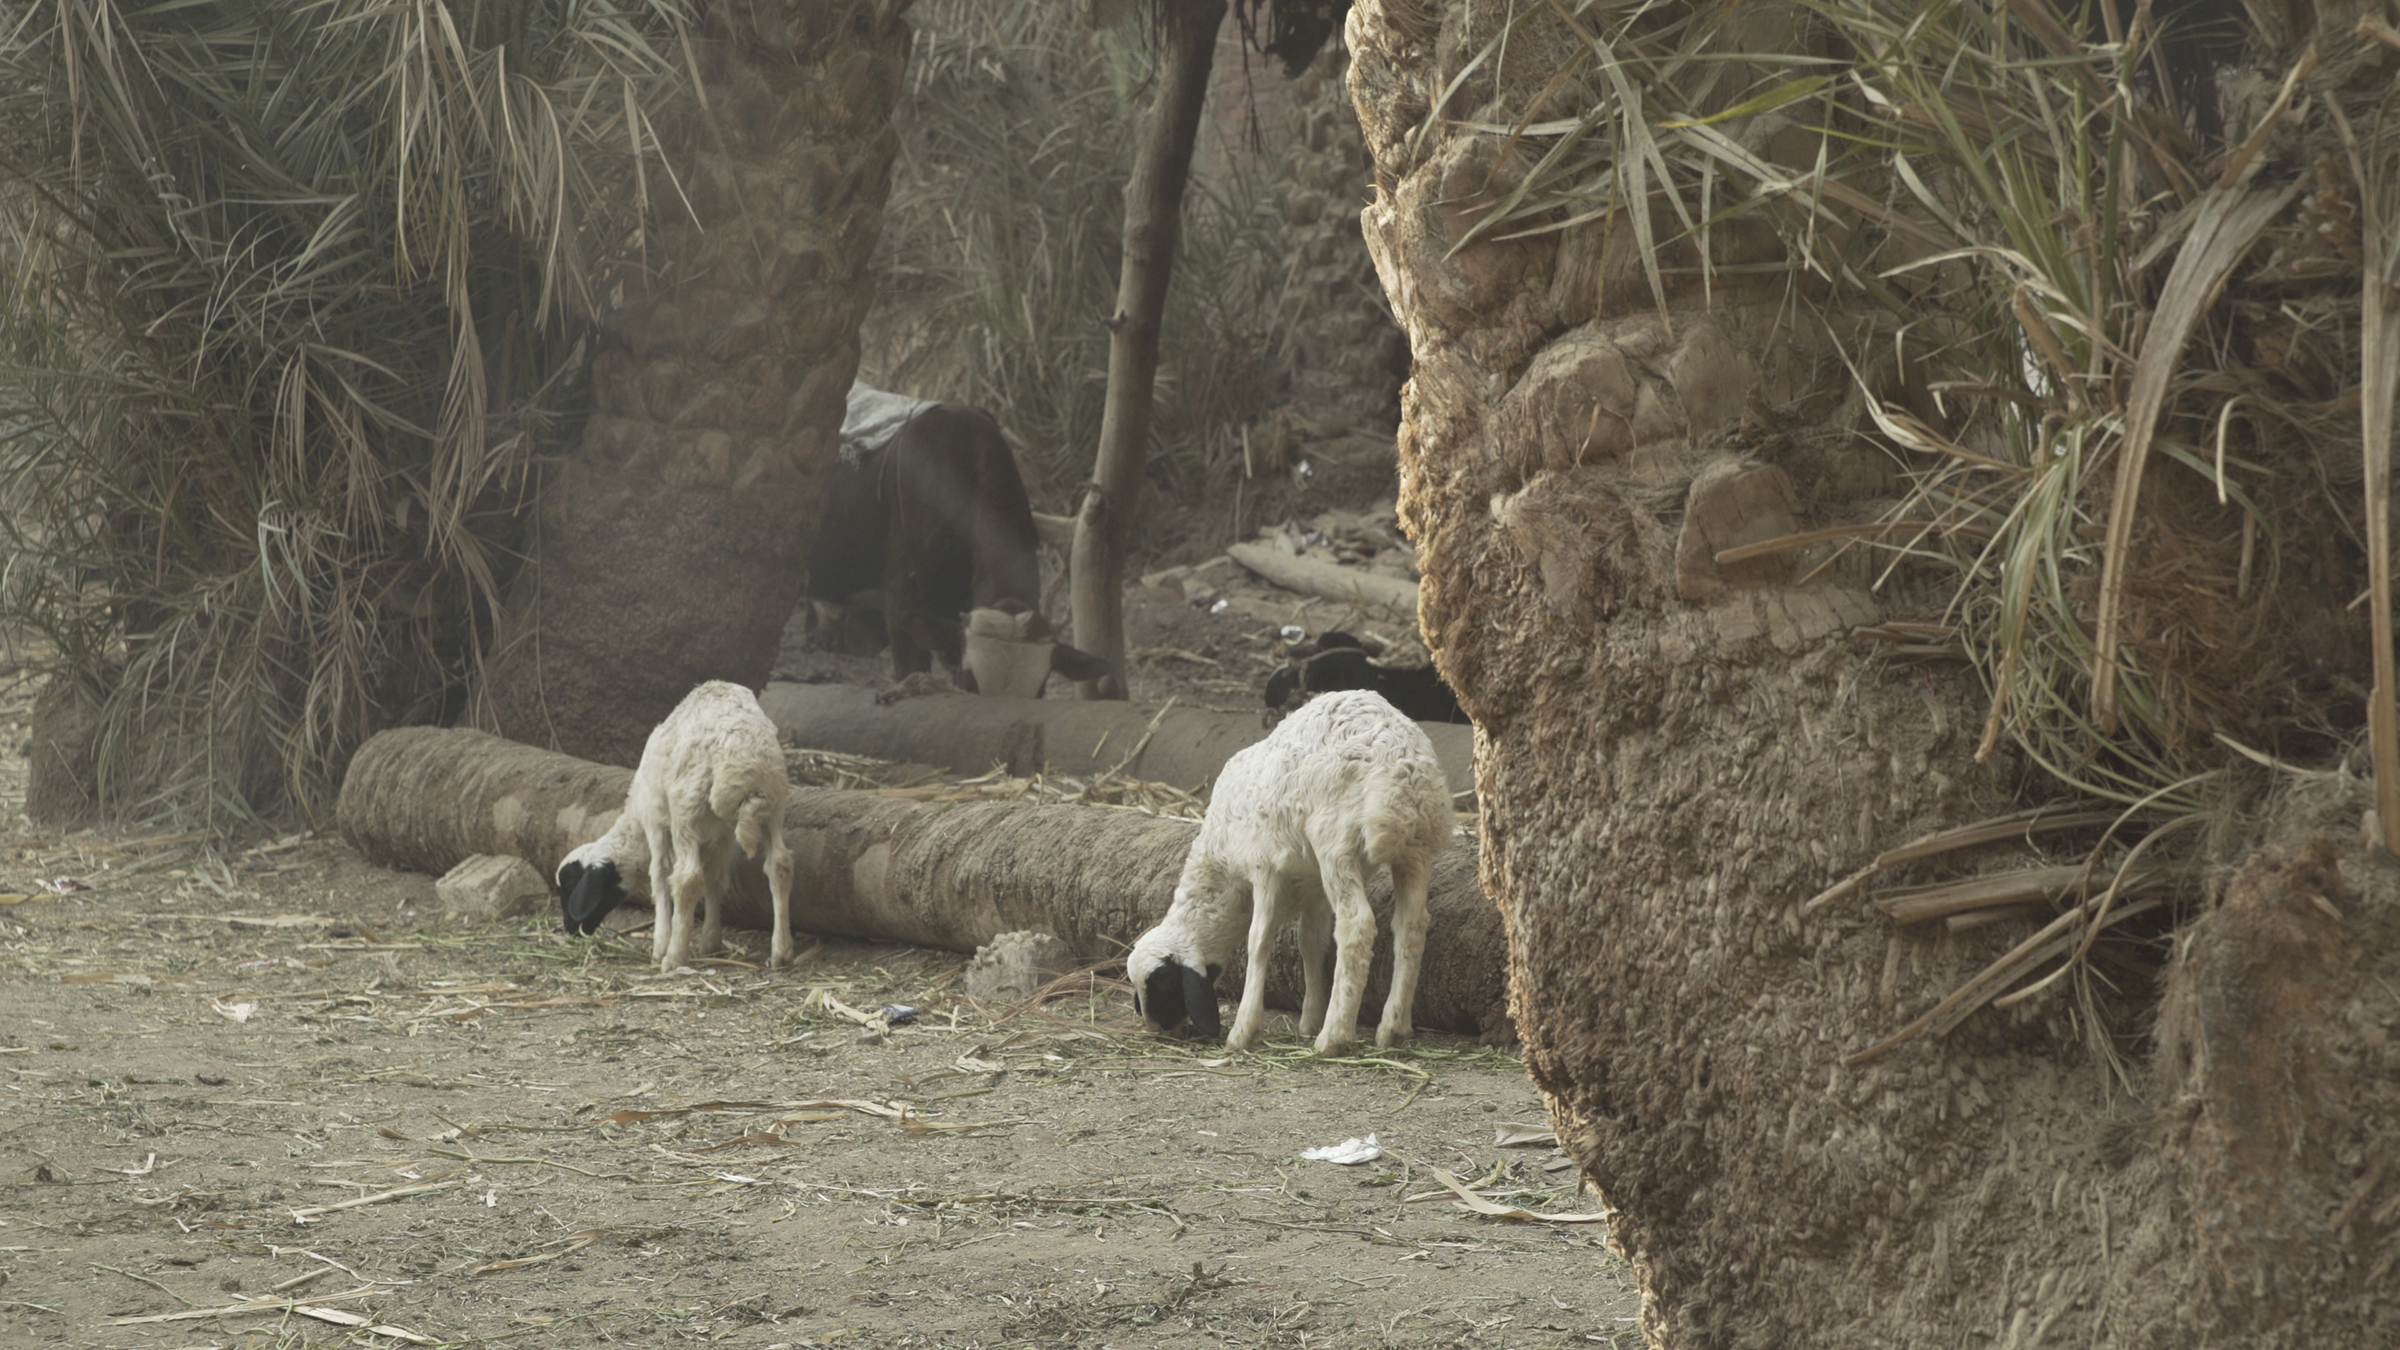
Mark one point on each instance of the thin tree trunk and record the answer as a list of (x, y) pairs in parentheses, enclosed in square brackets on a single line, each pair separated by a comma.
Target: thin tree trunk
[(938, 874), (671, 540), (1153, 214)]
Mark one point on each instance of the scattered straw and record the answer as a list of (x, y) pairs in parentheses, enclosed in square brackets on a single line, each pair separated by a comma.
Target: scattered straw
[(238, 1309), (311, 1212)]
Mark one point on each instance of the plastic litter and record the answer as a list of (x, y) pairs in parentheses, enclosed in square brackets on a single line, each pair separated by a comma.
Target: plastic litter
[(873, 417), (1348, 1153), (897, 1013)]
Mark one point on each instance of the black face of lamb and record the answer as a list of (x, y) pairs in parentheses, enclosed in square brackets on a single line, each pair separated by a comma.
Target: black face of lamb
[(587, 894), (1175, 993), (1340, 663)]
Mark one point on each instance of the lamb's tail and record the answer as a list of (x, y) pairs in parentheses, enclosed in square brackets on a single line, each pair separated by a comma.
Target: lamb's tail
[(751, 796), (1407, 812)]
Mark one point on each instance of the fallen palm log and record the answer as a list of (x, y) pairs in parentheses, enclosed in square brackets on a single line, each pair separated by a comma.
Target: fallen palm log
[(969, 733), (938, 874), (1308, 576)]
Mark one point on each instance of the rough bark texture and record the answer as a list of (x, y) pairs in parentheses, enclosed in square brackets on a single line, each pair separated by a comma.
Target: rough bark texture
[(1153, 216), (2278, 1078), (670, 542), (953, 876), (969, 733), (1675, 754)]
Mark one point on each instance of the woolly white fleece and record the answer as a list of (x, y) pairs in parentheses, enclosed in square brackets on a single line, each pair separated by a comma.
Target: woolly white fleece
[(1343, 785)]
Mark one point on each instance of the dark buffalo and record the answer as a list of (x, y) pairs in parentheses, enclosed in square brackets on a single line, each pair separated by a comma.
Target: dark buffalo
[(931, 527)]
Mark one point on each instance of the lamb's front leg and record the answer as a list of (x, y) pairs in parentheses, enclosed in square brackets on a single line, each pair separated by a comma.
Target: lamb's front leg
[(662, 896), (1266, 917), (1316, 951)]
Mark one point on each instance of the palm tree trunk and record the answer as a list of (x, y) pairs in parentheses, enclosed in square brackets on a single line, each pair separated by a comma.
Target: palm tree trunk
[(1676, 754), (670, 542), (1153, 210)]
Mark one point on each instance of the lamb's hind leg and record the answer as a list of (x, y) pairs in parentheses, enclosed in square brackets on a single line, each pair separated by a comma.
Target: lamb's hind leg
[(1316, 953), (688, 884), (1409, 921), (779, 884), (1353, 948), (1266, 917)]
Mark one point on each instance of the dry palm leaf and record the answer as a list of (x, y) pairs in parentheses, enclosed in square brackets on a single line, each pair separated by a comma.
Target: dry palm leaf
[(2379, 355), (2229, 222)]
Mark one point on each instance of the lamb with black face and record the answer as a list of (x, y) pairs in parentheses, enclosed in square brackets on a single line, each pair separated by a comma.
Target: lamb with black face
[(1345, 787)]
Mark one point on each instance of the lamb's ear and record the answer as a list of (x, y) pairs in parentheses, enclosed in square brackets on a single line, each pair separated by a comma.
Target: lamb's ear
[(1077, 665), (570, 875), (1160, 1001), (1280, 686), (1200, 1001), (596, 893)]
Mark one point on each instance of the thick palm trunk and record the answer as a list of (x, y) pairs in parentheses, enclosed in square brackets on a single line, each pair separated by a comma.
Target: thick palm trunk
[(1153, 213), (670, 542), (1675, 754)]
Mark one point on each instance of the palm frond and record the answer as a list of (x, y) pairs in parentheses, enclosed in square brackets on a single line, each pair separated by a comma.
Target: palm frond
[(294, 294)]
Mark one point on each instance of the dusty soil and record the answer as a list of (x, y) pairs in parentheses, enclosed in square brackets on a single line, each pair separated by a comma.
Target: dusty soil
[(192, 1050)]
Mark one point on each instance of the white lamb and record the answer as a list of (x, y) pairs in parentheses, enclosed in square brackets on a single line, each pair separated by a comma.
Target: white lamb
[(1343, 785), (711, 778)]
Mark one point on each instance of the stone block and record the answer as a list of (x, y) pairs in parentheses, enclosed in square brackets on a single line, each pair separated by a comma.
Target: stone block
[(491, 886), (1013, 965)]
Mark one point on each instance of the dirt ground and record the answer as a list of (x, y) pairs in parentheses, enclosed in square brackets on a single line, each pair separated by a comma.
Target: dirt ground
[(540, 1142)]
